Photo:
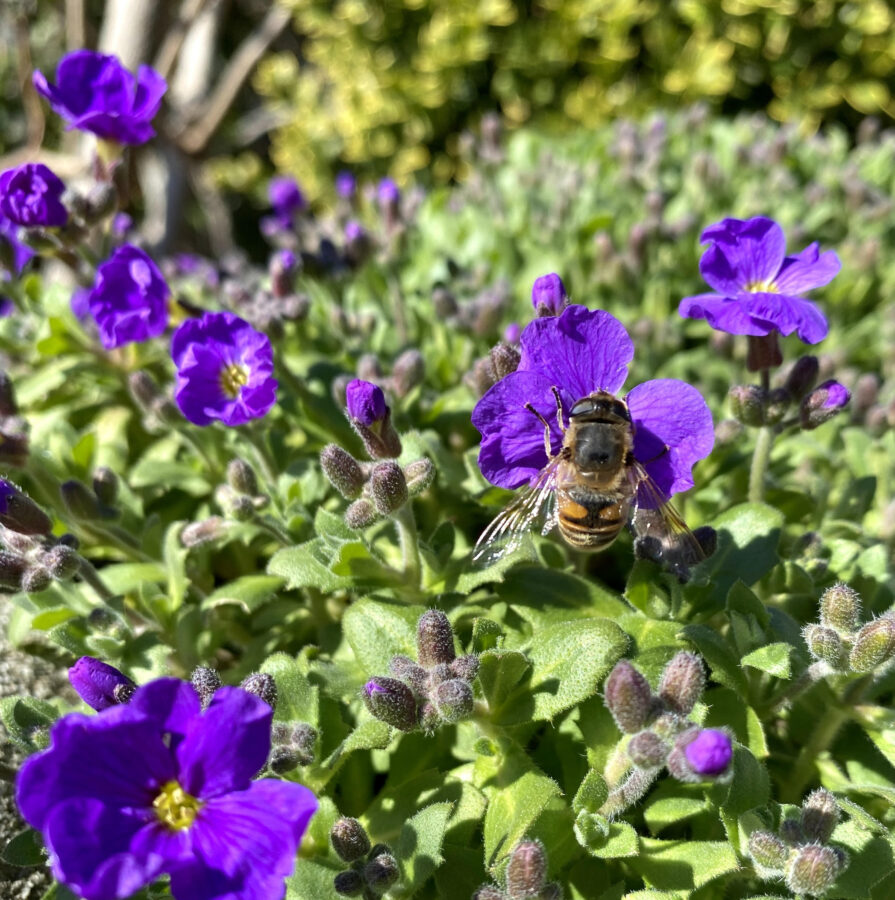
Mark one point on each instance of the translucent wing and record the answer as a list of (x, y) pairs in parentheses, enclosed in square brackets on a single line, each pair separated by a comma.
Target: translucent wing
[(534, 505)]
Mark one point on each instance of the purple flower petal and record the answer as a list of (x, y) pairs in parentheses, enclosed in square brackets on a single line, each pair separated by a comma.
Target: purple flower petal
[(365, 402), (579, 351), (31, 195), (96, 682), (728, 314), (807, 270), (710, 752), (171, 703), (227, 745), (673, 430), (744, 253), (512, 451), (788, 314)]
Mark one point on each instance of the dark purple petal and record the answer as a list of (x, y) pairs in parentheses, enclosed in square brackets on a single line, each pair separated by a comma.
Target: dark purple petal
[(96, 682), (789, 314), (365, 402), (227, 746), (7, 490), (580, 351), (31, 195), (673, 430), (724, 314), (19, 253), (807, 270), (710, 752), (170, 703), (837, 395), (512, 451), (285, 195), (548, 293), (387, 192), (743, 254), (346, 185), (90, 850)]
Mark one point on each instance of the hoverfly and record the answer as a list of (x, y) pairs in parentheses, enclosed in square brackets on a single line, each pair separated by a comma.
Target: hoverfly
[(591, 489)]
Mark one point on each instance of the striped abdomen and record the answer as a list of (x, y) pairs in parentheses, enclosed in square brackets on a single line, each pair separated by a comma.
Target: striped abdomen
[(589, 520)]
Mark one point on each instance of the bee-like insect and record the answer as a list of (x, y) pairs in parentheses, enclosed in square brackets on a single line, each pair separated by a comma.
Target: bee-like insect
[(591, 489)]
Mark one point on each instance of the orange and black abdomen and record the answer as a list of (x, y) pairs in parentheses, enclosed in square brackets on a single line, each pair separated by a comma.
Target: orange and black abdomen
[(590, 521)]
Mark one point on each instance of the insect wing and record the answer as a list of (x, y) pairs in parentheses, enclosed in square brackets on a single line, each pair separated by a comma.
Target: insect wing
[(535, 504)]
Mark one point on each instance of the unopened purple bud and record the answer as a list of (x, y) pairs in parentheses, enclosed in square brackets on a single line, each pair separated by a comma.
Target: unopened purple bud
[(388, 488), (62, 562), (823, 403), (791, 832), (526, 870), (261, 685), (36, 579), (825, 644), (820, 815), (366, 402), (96, 682), (21, 514), (874, 644), (647, 750), (342, 470), (408, 671), (628, 697), (489, 892), (241, 477), (408, 371), (802, 376), (683, 682), (504, 359), (391, 701), (79, 500), (747, 402), (105, 485), (840, 608), (283, 265), (349, 839), (512, 333), (206, 681), (768, 851), (710, 752), (388, 193), (814, 869), (304, 741), (381, 873), (349, 883), (434, 639), (548, 295), (285, 196), (346, 185), (465, 667), (361, 514), (453, 699)]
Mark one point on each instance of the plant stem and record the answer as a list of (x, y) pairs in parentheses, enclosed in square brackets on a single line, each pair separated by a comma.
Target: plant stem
[(91, 576), (761, 456), (267, 465), (410, 548)]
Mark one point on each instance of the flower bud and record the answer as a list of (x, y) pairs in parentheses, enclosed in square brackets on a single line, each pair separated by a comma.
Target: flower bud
[(261, 685), (349, 839), (791, 831), (820, 815), (388, 488), (361, 514), (12, 568), (465, 667), (444, 303), (767, 850), (434, 639), (105, 485), (241, 477), (504, 360), (482, 377), (822, 404), (13, 448), (647, 750), (36, 579), (342, 471), (8, 405), (801, 377), (206, 681), (104, 620), (777, 403), (419, 475), (102, 201), (198, 533), (825, 644), (873, 645), (747, 402), (371, 419), (349, 883), (409, 672), (709, 753), (96, 682), (283, 266), (304, 741), (283, 759), (526, 870), (489, 892), (453, 699), (20, 513), (628, 697), (145, 390), (548, 295), (408, 371), (62, 562), (683, 682), (391, 701), (80, 501), (813, 870), (840, 608), (381, 873)]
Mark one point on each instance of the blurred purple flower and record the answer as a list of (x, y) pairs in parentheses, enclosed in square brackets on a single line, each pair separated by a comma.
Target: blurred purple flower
[(7, 307), (388, 193), (31, 195), (758, 288), (366, 402), (346, 185), (158, 786), (95, 93), (579, 352), (286, 198), (512, 333), (98, 684), (548, 295), (130, 298), (7, 490), (121, 224), (710, 752), (80, 302), (14, 255), (354, 231), (224, 370)]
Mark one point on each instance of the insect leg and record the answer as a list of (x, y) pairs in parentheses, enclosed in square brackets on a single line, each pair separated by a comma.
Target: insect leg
[(559, 420), (547, 448)]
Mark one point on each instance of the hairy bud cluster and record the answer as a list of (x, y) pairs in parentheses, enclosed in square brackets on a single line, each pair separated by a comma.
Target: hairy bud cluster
[(799, 851), (526, 876), (240, 497), (840, 640), (373, 869), (293, 744), (435, 689)]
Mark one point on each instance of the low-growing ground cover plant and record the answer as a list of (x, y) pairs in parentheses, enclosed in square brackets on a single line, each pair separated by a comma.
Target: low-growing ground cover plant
[(240, 505)]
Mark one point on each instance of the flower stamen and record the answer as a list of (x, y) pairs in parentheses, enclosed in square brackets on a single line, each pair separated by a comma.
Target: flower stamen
[(175, 807), (234, 378), (761, 287)]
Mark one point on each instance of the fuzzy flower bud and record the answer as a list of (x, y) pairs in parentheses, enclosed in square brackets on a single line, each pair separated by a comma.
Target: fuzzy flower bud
[(361, 514), (504, 359), (36, 579), (381, 873), (434, 639), (206, 681), (768, 851), (342, 470), (526, 870), (388, 488), (813, 870), (198, 533), (802, 376), (371, 419), (282, 759), (820, 815), (825, 644), (96, 682), (682, 683), (391, 701), (408, 371), (80, 501), (489, 892), (873, 645), (349, 839), (12, 568), (453, 699), (419, 474), (647, 750), (777, 403), (304, 740), (747, 403), (823, 403), (261, 685), (62, 562), (548, 295), (409, 672), (791, 832), (709, 753), (840, 608), (105, 485), (628, 697), (21, 514), (241, 477), (349, 883), (465, 667)]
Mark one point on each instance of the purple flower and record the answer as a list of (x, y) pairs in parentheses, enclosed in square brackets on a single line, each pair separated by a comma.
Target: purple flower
[(579, 352), (346, 185), (14, 255), (548, 295), (224, 370), (95, 93), (354, 231), (758, 288), (710, 752), (121, 224), (366, 402), (7, 307), (286, 197), (388, 193), (7, 490), (31, 195), (98, 684), (512, 333), (823, 403), (130, 298), (157, 786)]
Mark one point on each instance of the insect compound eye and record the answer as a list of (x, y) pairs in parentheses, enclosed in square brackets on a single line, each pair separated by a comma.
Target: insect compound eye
[(581, 407)]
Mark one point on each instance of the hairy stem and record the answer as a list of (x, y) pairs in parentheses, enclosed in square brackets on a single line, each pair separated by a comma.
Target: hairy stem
[(628, 792), (410, 548), (760, 458)]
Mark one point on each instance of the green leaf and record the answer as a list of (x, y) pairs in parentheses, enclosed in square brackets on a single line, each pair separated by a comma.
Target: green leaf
[(672, 803), (418, 848), (621, 841), (25, 849), (683, 865), (174, 555), (485, 634), (749, 786), (307, 565), (775, 659), (311, 880), (250, 592), (124, 578), (369, 735), (297, 698), (378, 631), (871, 861), (546, 588), (591, 794), (718, 654), (24, 718), (500, 672)]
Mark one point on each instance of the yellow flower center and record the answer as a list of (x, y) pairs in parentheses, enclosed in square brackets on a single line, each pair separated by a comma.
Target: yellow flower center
[(175, 807), (761, 287), (233, 378)]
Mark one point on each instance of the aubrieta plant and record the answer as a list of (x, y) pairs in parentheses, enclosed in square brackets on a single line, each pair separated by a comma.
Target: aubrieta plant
[(243, 500)]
